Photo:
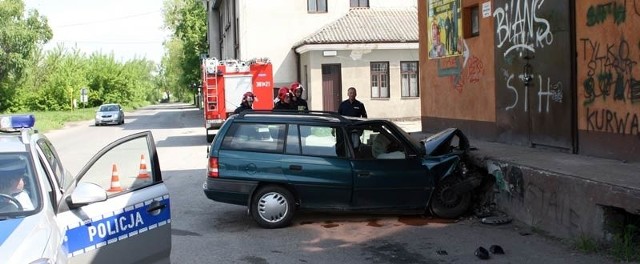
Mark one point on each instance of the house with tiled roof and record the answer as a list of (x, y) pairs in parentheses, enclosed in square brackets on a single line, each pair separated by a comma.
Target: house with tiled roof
[(328, 46)]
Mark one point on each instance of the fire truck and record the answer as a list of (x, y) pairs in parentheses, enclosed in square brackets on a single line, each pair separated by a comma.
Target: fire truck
[(224, 82)]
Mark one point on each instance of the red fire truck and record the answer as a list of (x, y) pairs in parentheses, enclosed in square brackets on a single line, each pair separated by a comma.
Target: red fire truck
[(225, 81)]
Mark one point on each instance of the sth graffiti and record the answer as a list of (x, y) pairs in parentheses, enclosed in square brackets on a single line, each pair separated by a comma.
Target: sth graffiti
[(598, 13), (548, 92), (609, 72), (518, 24), (605, 120)]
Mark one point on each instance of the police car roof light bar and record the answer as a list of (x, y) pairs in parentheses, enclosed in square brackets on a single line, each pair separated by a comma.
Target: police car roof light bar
[(16, 122)]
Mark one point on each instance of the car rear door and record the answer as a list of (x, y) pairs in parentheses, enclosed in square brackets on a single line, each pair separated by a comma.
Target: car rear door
[(133, 224)]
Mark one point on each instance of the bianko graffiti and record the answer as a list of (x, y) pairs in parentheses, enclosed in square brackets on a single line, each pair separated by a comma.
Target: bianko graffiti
[(518, 25)]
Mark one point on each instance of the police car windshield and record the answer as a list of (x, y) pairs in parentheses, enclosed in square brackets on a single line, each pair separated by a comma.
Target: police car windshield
[(17, 184)]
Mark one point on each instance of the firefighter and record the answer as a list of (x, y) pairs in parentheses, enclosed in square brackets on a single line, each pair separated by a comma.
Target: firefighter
[(284, 99), (247, 103), (297, 101)]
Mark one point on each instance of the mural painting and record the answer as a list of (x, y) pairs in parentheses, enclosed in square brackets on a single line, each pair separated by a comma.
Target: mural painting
[(445, 30)]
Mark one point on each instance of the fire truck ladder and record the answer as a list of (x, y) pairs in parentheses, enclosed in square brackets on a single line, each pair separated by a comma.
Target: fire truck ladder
[(212, 92)]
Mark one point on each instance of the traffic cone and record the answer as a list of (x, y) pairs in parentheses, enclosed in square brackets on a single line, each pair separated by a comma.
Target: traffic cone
[(144, 173), (115, 180)]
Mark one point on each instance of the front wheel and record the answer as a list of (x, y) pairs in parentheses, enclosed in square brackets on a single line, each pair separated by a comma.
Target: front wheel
[(446, 202), (272, 207)]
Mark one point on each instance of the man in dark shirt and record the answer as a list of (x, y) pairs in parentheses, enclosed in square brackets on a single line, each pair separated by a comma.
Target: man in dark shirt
[(247, 103), (351, 106)]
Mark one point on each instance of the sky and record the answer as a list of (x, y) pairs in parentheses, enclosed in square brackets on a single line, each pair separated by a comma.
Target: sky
[(127, 28)]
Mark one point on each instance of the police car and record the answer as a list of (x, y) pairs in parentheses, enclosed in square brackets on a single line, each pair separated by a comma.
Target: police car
[(116, 210)]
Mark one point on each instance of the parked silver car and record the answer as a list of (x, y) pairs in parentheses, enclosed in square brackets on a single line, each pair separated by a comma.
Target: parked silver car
[(110, 114)]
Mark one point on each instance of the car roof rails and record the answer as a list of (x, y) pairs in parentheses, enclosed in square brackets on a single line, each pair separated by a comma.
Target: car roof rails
[(295, 113)]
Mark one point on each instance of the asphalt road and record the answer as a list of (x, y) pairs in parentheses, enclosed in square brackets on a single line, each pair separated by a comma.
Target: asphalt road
[(205, 231)]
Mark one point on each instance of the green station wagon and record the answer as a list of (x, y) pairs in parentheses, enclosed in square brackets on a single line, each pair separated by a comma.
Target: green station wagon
[(277, 163)]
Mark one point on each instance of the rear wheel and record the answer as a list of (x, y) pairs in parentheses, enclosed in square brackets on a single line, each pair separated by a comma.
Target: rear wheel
[(446, 203), (272, 207)]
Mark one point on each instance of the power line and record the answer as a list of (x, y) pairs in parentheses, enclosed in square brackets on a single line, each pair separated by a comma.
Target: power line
[(107, 20)]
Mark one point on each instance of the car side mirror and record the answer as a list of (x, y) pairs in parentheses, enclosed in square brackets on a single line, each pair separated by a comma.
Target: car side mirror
[(86, 193)]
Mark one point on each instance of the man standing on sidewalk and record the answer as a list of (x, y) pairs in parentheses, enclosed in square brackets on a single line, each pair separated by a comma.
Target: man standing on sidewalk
[(351, 106)]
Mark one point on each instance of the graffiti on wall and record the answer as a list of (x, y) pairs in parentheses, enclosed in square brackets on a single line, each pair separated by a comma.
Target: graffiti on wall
[(548, 92), (605, 120), (543, 201), (598, 13), (609, 71), (461, 70), (518, 25)]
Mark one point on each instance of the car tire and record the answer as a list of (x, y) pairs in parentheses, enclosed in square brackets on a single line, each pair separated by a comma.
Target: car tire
[(446, 203), (273, 206)]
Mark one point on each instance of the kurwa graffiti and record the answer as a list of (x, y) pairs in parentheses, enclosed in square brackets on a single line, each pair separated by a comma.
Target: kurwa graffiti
[(598, 13), (548, 92), (517, 24), (609, 69), (605, 120)]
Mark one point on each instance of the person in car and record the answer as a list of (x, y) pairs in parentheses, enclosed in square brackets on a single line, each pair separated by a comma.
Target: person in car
[(12, 184), (247, 103), (284, 99), (297, 101), (351, 106)]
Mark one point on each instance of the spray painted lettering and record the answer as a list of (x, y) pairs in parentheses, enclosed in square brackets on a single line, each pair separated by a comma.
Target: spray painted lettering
[(547, 92), (609, 70), (605, 120), (518, 24), (598, 13)]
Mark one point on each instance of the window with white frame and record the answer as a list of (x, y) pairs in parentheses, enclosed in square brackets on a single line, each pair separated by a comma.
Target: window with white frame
[(380, 80), (409, 78), (359, 3), (317, 6)]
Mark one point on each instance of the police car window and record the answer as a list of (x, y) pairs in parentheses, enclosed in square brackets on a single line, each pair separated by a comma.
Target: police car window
[(255, 137), (125, 167), (18, 185), (47, 149)]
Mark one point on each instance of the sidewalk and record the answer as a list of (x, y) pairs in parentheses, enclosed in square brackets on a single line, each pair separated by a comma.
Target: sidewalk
[(565, 195)]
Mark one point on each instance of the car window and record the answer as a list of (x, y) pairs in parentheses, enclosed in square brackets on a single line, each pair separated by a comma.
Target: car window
[(18, 185), (255, 137), (322, 141), (63, 179), (376, 142), (123, 168)]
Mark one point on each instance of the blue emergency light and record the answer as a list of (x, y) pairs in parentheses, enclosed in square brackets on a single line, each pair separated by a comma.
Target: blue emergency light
[(17, 121)]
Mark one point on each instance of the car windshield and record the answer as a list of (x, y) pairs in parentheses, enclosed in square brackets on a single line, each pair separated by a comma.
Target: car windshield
[(108, 108), (17, 184), (416, 142)]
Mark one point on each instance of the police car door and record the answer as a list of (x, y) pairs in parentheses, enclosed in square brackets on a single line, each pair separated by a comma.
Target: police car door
[(118, 210)]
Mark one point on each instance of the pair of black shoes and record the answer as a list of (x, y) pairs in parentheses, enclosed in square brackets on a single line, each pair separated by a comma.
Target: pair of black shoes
[(482, 253)]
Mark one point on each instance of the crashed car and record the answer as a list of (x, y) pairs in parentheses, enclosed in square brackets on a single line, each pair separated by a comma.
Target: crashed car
[(277, 163)]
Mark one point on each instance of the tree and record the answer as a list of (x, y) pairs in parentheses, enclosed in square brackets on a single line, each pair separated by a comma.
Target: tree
[(188, 21), (20, 36)]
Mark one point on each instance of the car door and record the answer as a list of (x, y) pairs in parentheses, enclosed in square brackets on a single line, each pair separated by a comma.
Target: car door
[(118, 209), (387, 172), (317, 165)]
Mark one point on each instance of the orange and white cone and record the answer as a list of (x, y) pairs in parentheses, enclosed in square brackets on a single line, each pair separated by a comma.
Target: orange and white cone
[(144, 173), (115, 180)]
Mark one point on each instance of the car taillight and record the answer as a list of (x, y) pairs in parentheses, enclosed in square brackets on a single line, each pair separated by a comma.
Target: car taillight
[(212, 170)]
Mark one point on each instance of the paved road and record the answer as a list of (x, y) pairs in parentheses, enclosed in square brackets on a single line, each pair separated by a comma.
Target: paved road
[(209, 232)]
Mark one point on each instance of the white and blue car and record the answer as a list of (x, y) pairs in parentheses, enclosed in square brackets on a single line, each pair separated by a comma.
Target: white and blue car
[(111, 212)]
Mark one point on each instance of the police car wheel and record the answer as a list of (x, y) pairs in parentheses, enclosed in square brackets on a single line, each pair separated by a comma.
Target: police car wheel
[(272, 207), (6, 201)]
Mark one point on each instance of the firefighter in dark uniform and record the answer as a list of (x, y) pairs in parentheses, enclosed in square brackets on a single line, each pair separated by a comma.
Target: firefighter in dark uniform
[(284, 100), (247, 103), (297, 101), (351, 106)]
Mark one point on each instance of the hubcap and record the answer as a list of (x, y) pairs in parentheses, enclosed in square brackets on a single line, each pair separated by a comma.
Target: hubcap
[(272, 207)]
